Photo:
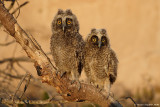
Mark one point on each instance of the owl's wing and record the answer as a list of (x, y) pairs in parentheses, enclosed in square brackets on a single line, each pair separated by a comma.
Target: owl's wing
[(112, 66), (80, 56)]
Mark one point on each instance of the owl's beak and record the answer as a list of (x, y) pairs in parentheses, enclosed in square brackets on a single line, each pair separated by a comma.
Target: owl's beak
[(99, 44), (64, 28)]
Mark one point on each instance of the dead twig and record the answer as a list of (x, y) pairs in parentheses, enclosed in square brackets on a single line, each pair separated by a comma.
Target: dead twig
[(10, 75), (132, 100), (20, 7), (20, 83), (11, 5), (18, 59), (26, 85), (23, 68), (8, 43), (8, 101)]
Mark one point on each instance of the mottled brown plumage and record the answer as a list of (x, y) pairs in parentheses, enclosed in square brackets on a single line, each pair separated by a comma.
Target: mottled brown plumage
[(66, 44), (100, 60)]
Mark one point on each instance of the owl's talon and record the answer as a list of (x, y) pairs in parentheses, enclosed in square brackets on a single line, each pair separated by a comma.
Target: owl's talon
[(95, 85), (57, 72), (72, 81), (78, 84), (108, 95), (100, 90), (62, 74)]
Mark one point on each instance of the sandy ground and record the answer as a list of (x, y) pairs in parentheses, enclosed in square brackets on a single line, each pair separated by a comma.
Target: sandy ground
[(133, 27)]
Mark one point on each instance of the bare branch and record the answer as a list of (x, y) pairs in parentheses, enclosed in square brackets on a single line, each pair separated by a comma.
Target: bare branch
[(20, 7), (20, 83), (18, 59), (10, 75), (6, 44), (5, 18), (132, 100), (26, 85), (8, 101), (11, 5), (46, 70)]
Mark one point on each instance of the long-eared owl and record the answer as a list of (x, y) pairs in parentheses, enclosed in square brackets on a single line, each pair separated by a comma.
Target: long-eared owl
[(66, 44)]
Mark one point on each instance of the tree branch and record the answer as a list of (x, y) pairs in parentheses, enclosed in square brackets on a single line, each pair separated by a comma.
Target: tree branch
[(46, 70), (6, 101), (18, 59)]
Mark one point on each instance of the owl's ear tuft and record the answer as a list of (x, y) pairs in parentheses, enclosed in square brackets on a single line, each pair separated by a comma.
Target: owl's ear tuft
[(104, 31), (69, 12), (93, 30), (60, 11)]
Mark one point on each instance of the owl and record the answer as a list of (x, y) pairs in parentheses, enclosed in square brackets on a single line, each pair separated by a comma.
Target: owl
[(100, 61), (67, 44)]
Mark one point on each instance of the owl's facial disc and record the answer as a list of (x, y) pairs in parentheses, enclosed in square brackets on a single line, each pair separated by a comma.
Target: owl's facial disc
[(94, 40), (68, 24), (104, 41), (65, 25), (59, 23), (99, 42)]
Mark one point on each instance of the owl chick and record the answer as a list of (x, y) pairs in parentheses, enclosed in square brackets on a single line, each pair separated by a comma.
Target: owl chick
[(100, 60), (66, 44)]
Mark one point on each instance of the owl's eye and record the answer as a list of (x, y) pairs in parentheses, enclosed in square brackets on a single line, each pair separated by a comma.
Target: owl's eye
[(59, 22), (103, 40), (69, 22), (94, 39)]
